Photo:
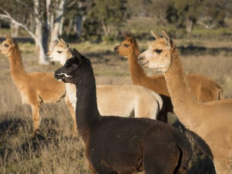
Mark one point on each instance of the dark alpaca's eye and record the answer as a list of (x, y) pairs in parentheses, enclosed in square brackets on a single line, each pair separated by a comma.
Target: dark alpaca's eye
[(126, 45), (72, 67), (158, 51), (6, 45), (59, 52)]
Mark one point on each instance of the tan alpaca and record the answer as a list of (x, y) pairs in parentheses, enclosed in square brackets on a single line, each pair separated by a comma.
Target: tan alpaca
[(210, 120), (113, 99), (35, 88), (204, 88)]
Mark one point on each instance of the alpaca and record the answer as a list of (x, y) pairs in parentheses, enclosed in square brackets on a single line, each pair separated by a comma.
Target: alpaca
[(204, 88), (35, 88), (116, 100), (122, 145), (210, 120)]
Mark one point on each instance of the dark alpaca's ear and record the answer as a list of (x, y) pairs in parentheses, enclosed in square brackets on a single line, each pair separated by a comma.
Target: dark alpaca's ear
[(76, 54)]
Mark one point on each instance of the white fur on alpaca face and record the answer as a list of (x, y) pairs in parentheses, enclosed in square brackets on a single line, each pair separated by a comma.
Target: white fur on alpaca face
[(160, 61), (59, 54), (66, 75)]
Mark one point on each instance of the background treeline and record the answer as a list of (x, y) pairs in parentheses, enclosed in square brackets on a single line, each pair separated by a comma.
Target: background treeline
[(105, 20)]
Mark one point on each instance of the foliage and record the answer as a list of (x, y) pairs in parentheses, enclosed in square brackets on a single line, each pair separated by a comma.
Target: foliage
[(106, 16)]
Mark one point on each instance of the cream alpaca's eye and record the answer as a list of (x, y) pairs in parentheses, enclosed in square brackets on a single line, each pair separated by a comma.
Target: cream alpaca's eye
[(125, 45), (6, 45), (158, 51), (59, 52)]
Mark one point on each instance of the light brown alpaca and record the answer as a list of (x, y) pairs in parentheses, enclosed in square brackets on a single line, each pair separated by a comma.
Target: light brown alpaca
[(210, 120), (113, 99), (204, 88), (35, 88)]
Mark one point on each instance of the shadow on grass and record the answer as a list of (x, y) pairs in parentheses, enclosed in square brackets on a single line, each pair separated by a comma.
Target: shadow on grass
[(29, 142)]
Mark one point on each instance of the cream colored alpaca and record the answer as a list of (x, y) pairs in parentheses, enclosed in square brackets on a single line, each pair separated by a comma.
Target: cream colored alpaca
[(35, 88), (210, 120), (113, 99)]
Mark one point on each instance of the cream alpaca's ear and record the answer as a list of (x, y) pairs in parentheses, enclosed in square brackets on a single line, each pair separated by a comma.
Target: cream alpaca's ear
[(58, 40), (155, 35), (8, 36), (167, 39), (62, 41)]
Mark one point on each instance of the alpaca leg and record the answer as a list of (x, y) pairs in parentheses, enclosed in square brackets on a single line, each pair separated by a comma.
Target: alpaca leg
[(146, 110), (36, 116), (71, 109)]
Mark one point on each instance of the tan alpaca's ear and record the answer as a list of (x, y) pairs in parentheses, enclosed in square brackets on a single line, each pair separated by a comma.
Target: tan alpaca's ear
[(125, 36), (132, 38), (167, 39), (155, 35)]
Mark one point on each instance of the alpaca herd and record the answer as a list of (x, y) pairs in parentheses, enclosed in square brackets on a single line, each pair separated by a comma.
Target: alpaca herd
[(144, 141)]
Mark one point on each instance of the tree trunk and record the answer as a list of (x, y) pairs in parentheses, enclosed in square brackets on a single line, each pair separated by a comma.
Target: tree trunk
[(46, 26), (70, 24), (189, 26), (79, 24), (61, 26), (40, 48), (105, 28), (14, 30), (56, 27)]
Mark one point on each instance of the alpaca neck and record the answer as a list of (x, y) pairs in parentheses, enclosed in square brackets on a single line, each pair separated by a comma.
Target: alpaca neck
[(182, 98), (18, 72), (137, 72), (86, 107)]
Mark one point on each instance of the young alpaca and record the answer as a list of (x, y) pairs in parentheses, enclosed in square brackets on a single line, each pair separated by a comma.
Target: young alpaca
[(122, 145), (35, 88), (211, 120), (113, 99), (204, 88)]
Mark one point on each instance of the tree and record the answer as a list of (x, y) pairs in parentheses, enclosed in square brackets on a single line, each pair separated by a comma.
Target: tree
[(37, 21), (109, 14), (188, 12), (213, 13)]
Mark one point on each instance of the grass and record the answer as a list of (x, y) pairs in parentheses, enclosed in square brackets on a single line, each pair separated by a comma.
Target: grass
[(57, 151)]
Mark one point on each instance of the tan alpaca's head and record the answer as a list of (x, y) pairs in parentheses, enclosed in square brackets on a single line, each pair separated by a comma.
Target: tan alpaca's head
[(127, 46), (7, 46), (158, 54), (60, 53)]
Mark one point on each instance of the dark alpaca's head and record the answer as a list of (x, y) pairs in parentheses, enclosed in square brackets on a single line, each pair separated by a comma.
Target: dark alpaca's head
[(69, 73)]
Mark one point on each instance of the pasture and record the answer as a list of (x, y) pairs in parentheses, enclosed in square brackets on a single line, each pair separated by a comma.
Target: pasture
[(56, 151)]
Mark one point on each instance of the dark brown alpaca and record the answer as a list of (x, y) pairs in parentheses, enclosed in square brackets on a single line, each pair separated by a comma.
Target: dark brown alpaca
[(116, 145), (204, 88)]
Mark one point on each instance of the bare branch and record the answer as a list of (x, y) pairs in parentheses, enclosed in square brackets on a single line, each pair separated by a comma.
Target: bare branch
[(26, 6), (10, 18), (71, 4)]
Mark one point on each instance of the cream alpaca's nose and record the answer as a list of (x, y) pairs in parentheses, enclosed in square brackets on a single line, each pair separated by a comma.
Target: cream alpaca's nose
[(141, 59)]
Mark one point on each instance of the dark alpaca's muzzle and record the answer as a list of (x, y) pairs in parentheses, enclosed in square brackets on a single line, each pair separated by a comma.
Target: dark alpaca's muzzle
[(59, 75)]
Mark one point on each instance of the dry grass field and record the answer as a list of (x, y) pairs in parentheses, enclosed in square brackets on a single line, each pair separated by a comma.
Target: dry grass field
[(57, 152)]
